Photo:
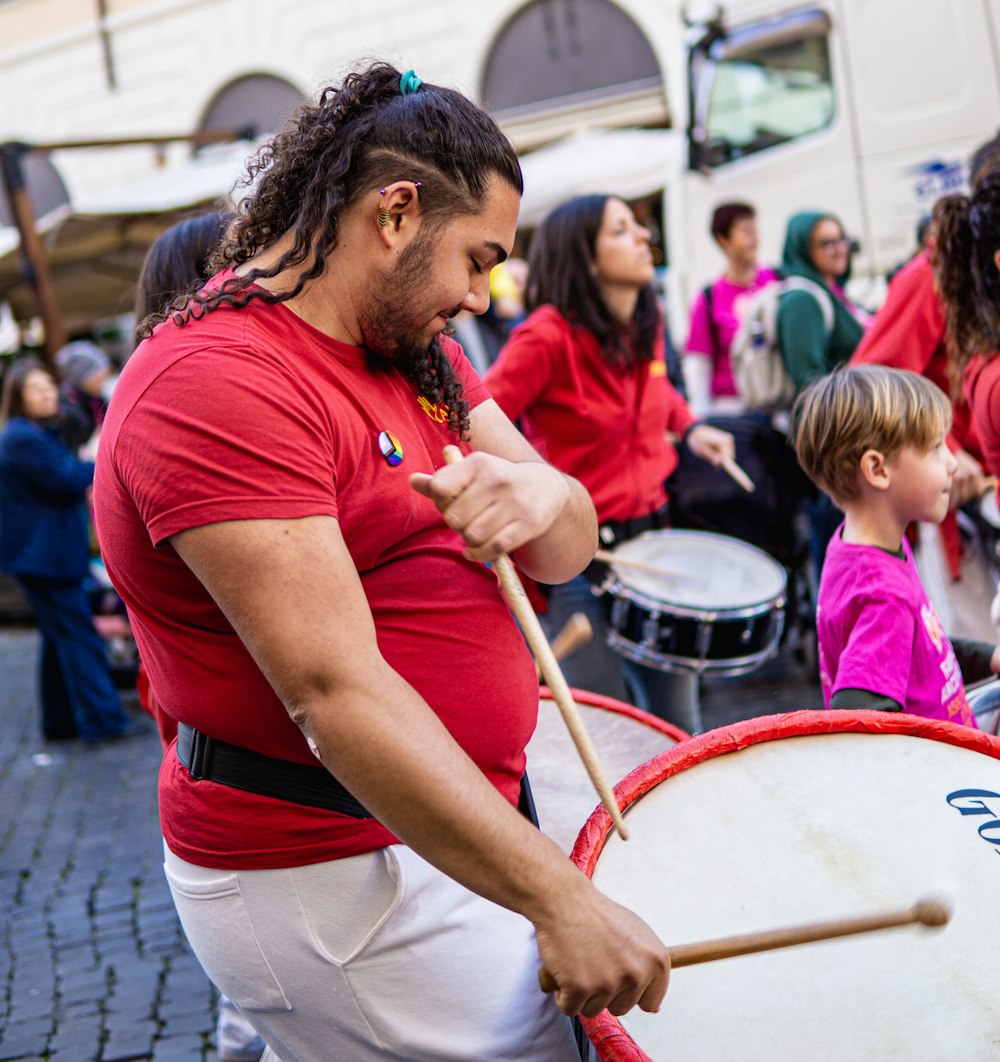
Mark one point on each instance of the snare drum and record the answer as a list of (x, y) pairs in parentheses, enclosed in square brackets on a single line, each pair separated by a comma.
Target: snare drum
[(792, 819), (624, 737), (720, 612), (984, 700)]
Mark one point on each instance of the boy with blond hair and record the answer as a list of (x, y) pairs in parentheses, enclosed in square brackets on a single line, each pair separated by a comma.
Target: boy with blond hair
[(873, 439)]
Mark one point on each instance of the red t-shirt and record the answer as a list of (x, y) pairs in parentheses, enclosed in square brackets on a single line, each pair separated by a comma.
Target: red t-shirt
[(253, 414), (604, 426), (982, 389)]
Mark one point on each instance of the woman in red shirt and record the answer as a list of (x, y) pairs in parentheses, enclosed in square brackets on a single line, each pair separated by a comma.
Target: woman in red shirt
[(586, 376)]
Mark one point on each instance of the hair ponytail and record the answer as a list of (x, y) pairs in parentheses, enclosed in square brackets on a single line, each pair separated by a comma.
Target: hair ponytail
[(967, 232), (358, 136)]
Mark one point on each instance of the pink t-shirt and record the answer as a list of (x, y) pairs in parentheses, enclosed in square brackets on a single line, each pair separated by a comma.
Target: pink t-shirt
[(728, 299), (879, 632)]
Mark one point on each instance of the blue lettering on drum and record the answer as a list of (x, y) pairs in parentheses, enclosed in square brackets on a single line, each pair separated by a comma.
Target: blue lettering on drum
[(973, 803)]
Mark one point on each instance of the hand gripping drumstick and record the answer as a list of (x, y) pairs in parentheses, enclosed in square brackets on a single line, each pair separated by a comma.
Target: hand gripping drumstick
[(537, 642), (578, 631), (923, 912)]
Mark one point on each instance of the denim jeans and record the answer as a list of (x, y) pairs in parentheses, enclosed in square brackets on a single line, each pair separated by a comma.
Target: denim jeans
[(672, 696), (75, 681)]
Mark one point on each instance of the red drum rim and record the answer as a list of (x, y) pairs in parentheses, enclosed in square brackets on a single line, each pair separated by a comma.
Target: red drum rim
[(612, 704), (605, 1031)]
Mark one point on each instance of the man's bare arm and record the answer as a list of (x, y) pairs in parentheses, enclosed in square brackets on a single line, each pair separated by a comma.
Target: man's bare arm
[(291, 592)]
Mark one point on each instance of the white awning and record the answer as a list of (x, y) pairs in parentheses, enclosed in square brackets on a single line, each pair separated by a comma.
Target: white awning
[(96, 245), (630, 163)]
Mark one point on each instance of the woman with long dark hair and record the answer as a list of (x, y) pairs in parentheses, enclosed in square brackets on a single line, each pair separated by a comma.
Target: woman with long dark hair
[(966, 264), (586, 376), (45, 545)]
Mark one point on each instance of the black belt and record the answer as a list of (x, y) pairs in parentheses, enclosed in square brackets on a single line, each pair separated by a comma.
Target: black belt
[(209, 759), (613, 531)]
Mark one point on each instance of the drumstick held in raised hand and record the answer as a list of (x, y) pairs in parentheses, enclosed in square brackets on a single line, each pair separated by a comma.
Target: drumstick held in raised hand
[(735, 472), (578, 631), (538, 643), (924, 912)]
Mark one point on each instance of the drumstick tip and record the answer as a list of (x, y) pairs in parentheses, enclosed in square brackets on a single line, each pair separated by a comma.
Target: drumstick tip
[(932, 912)]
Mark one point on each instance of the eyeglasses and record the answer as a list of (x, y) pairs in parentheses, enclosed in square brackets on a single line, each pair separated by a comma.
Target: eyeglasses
[(830, 243)]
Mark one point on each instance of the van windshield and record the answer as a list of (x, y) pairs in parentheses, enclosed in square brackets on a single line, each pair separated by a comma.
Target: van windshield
[(763, 85)]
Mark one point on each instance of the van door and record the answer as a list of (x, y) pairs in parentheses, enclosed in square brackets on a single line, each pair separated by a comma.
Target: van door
[(921, 113)]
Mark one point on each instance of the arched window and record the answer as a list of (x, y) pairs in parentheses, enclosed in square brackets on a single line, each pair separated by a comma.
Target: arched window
[(253, 105), (559, 61)]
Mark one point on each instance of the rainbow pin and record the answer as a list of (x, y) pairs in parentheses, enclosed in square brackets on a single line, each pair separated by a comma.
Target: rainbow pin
[(389, 446)]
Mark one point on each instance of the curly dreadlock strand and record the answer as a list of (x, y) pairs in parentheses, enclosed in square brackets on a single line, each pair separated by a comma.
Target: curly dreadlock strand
[(968, 235)]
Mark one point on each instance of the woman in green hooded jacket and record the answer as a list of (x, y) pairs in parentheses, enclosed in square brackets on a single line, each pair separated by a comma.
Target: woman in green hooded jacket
[(818, 328), (817, 250)]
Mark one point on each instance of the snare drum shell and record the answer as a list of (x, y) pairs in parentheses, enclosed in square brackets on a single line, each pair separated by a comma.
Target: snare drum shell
[(705, 908), (727, 627)]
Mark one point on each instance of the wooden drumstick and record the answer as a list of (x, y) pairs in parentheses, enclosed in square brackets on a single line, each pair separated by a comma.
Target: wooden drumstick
[(737, 473), (578, 631), (608, 557), (538, 643), (923, 912)]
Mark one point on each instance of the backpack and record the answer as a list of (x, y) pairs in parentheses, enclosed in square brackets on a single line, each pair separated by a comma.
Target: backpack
[(759, 370)]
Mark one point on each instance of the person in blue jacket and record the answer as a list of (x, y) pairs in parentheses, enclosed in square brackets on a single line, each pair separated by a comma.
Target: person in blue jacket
[(45, 545)]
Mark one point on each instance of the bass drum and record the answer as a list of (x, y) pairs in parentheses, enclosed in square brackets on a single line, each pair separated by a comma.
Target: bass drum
[(793, 819), (624, 737)]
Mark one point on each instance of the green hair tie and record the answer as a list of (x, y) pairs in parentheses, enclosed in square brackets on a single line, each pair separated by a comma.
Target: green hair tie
[(409, 82)]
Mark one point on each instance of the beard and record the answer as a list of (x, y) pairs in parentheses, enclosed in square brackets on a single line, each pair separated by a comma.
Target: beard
[(389, 330), (394, 337)]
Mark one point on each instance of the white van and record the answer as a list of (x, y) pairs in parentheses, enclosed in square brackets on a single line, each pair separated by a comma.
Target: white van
[(869, 109)]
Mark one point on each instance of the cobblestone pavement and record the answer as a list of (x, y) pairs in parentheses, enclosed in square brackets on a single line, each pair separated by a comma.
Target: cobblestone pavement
[(93, 964)]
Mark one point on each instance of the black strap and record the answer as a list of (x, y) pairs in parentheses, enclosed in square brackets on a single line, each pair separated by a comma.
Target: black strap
[(614, 531), (713, 328), (212, 760)]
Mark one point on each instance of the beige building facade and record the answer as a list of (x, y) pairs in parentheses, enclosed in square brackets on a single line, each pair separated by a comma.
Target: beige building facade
[(80, 69)]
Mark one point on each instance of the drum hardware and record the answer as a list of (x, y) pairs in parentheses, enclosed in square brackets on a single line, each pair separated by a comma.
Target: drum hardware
[(984, 700), (930, 913), (538, 643), (651, 629), (704, 639)]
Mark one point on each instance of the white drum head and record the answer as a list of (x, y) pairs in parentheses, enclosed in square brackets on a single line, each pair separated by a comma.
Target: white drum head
[(624, 737), (791, 830), (711, 571)]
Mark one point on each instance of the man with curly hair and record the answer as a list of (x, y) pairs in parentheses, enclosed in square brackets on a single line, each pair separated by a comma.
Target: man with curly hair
[(305, 578)]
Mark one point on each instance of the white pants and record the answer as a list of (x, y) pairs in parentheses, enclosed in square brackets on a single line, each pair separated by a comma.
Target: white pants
[(379, 956)]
